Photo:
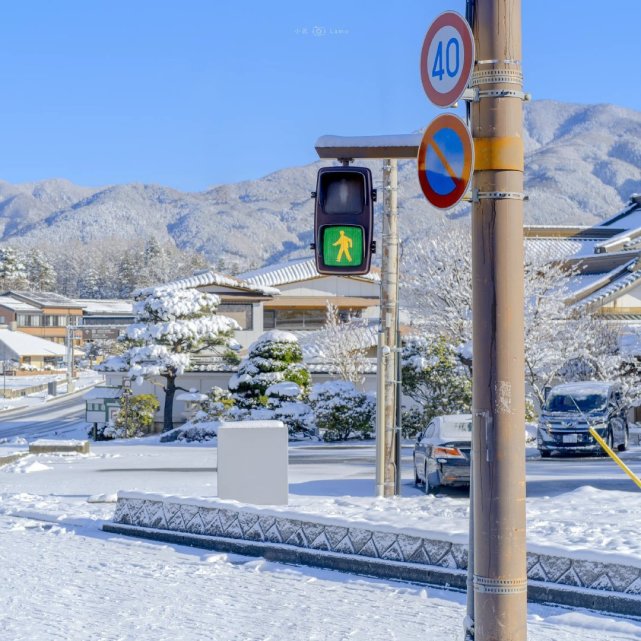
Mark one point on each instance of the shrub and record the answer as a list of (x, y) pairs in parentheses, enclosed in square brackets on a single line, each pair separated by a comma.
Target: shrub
[(135, 417), (342, 412)]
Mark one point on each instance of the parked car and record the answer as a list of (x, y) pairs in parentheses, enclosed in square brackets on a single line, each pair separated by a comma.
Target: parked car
[(442, 452), (572, 408)]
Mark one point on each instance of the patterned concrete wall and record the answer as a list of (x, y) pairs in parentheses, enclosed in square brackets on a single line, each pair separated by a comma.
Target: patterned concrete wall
[(157, 512)]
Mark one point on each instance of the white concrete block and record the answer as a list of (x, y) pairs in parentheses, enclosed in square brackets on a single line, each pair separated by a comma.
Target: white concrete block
[(252, 462)]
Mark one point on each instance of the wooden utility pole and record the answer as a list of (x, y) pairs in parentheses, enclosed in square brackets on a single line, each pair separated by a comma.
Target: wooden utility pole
[(500, 578)]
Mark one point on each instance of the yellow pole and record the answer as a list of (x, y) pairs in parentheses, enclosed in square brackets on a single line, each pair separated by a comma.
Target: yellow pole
[(615, 458)]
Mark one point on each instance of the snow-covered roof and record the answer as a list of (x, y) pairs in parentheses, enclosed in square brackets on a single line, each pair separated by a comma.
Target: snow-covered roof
[(559, 248), (209, 278), (106, 307), (103, 392), (45, 299), (22, 344), (614, 283), (292, 272), (628, 218), (17, 305)]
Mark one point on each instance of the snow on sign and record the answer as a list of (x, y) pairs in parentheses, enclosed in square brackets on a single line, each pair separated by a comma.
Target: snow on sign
[(447, 58), (445, 161)]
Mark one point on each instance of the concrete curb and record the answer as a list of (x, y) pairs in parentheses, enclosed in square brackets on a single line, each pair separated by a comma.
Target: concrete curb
[(451, 579), (12, 458)]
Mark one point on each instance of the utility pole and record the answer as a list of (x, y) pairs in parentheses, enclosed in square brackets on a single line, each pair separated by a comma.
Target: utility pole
[(500, 577), (389, 320)]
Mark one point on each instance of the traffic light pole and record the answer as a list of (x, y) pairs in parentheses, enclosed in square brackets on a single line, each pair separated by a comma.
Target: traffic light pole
[(389, 322), (500, 578)]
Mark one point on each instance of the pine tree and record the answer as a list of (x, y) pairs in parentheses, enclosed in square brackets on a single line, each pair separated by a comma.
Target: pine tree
[(12, 269), (275, 357), (169, 326), (40, 273)]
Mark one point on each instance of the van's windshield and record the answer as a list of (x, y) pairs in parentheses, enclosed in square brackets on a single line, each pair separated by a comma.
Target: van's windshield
[(584, 401)]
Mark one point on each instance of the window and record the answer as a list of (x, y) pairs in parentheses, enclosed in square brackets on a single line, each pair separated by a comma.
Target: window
[(294, 318), (269, 319), (29, 320), (51, 320), (241, 313)]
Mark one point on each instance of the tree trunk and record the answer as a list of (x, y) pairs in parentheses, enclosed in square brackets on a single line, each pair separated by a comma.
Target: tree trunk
[(170, 391)]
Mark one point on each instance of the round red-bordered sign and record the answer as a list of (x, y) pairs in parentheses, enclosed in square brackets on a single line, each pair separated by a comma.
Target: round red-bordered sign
[(447, 58), (445, 161)]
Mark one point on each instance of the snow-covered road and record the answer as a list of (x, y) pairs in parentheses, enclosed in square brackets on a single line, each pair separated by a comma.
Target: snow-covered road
[(71, 583)]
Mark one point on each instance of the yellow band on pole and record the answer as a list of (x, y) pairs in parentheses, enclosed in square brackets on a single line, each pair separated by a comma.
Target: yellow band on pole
[(498, 154), (615, 458)]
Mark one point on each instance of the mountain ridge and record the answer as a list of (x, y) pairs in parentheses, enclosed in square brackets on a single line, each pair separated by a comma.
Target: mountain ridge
[(582, 164)]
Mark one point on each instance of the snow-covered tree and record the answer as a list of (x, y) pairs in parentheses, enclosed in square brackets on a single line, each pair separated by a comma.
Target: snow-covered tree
[(437, 290), (275, 357), (40, 273), (12, 270), (342, 412), (434, 377), (170, 326), (343, 345), (436, 284)]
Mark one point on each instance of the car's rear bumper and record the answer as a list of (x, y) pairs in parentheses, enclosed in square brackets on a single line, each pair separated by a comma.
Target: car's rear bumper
[(455, 474)]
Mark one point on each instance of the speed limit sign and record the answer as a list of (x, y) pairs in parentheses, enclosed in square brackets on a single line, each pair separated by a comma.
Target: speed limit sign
[(447, 58)]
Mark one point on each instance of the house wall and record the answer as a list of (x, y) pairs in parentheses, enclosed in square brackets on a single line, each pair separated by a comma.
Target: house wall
[(332, 286)]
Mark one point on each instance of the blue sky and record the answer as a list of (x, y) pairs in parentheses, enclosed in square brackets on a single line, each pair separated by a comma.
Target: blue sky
[(199, 93)]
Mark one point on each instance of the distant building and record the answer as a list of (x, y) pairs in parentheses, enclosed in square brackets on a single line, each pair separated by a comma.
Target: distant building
[(607, 257), (31, 353), (42, 314)]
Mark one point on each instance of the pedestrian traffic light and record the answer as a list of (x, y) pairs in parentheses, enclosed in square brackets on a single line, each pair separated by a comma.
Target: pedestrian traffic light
[(344, 220)]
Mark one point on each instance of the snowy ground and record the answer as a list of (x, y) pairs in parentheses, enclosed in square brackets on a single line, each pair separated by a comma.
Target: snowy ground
[(65, 579), (85, 378)]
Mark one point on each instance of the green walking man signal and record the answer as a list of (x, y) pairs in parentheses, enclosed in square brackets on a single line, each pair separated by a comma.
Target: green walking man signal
[(344, 220)]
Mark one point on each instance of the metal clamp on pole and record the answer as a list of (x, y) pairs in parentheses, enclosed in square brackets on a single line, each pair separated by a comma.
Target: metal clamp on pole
[(499, 586), (477, 195), (501, 93), (496, 76)]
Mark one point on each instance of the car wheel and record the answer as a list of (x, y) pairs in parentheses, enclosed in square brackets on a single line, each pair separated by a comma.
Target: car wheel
[(609, 441), (626, 438), (429, 488), (545, 453), (417, 480)]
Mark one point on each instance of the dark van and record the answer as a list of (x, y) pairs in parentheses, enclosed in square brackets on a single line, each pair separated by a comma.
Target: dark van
[(570, 409)]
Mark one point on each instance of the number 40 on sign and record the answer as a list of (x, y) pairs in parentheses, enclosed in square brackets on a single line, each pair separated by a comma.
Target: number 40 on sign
[(447, 58)]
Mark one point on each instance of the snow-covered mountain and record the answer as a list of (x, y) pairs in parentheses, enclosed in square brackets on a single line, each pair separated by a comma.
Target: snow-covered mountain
[(582, 164)]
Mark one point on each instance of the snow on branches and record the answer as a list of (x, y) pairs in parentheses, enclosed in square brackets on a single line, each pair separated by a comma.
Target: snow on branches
[(169, 326), (561, 344)]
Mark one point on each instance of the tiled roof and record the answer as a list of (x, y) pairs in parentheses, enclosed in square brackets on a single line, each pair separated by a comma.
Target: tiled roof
[(208, 278), (615, 286), (558, 248), (45, 299), (106, 307), (292, 272), (17, 305)]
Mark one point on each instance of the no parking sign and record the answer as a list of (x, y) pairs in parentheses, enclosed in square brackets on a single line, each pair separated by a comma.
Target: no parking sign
[(445, 161)]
